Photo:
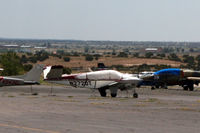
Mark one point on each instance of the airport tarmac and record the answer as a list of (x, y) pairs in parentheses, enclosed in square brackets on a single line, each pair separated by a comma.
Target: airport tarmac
[(78, 110)]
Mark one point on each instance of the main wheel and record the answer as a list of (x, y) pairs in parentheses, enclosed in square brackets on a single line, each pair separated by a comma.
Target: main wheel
[(152, 88), (157, 86), (102, 92), (135, 95), (185, 88), (113, 94), (165, 87), (191, 87)]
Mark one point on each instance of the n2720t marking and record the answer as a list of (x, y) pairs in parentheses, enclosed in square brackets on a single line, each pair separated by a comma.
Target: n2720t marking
[(80, 83)]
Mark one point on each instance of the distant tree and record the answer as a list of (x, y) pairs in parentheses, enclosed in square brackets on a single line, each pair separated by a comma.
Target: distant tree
[(191, 50), (174, 57), (143, 67), (126, 50), (89, 58), (122, 54), (33, 59), (97, 56), (11, 64), (29, 54), (178, 50), (48, 44), (75, 54), (161, 55), (67, 59), (67, 70), (188, 59), (118, 67), (67, 53), (168, 50), (41, 55), (24, 59), (185, 56), (113, 52), (161, 66), (149, 55), (198, 58), (60, 52), (59, 56), (136, 54), (198, 62), (27, 67), (86, 49)]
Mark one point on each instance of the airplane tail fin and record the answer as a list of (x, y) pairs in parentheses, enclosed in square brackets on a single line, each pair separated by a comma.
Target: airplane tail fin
[(90, 70), (101, 66), (53, 72), (34, 73)]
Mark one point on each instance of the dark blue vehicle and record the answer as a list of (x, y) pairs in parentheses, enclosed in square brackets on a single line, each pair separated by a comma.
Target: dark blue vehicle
[(172, 76)]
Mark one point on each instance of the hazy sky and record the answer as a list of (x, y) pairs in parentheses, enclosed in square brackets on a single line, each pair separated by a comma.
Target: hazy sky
[(128, 20)]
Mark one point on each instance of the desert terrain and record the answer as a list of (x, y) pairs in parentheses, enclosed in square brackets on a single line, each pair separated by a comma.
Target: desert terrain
[(108, 61)]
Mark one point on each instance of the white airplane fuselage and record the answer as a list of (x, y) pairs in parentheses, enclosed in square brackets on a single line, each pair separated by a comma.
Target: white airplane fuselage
[(95, 79)]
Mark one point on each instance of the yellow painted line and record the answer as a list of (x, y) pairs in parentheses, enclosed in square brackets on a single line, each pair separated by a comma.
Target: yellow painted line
[(28, 128)]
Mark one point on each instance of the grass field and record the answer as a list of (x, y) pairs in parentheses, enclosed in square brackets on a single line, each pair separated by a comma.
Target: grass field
[(108, 61)]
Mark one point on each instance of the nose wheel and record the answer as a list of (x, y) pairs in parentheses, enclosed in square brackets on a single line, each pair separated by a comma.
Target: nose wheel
[(135, 95)]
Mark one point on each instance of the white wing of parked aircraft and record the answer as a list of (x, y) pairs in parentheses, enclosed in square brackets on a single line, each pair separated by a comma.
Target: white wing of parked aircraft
[(30, 78), (101, 80)]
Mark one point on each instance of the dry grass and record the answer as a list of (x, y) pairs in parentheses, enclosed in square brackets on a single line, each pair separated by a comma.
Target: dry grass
[(108, 61)]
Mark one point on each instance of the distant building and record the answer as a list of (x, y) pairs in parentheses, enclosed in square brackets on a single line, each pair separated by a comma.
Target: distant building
[(11, 46), (40, 47), (153, 50), (24, 46), (25, 49)]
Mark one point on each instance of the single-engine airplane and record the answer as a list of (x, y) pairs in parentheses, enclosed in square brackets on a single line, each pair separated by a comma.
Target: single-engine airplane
[(30, 78), (101, 80), (172, 76)]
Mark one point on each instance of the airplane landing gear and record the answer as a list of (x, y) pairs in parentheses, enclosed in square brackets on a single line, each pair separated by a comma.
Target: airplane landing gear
[(135, 95), (185, 88), (191, 89), (113, 94), (102, 92), (33, 93), (189, 86), (152, 88), (51, 91)]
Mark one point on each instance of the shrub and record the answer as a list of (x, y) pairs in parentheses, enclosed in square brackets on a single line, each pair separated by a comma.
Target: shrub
[(67, 59), (89, 58), (67, 70), (28, 67), (122, 54)]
